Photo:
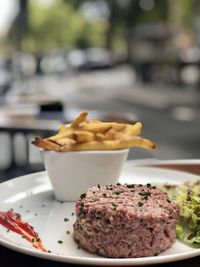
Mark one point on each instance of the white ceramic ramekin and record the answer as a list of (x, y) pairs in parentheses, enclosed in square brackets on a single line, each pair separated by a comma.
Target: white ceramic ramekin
[(72, 173)]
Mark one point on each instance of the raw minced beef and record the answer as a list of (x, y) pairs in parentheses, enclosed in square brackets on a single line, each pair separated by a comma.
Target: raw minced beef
[(125, 221)]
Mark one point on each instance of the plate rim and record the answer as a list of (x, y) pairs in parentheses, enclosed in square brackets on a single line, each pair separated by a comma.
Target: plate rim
[(99, 261), (96, 261)]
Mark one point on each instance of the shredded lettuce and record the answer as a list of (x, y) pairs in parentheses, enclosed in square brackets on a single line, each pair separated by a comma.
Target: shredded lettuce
[(187, 196)]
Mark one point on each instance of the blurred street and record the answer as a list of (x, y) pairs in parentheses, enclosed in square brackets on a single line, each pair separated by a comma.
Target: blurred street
[(135, 59), (170, 115)]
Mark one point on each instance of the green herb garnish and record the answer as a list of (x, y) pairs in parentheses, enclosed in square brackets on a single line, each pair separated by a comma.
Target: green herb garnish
[(114, 206), (140, 204), (82, 216), (81, 206), (99, 215), (145, 194), (117, 193), (130, 185), (82, 195)]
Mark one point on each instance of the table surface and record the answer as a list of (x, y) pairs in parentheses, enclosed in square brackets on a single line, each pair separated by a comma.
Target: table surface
[(52, 120), (8, 257), (27, 122)]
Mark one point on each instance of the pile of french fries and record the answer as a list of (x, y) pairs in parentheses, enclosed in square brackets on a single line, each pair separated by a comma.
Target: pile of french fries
[(84, 134)]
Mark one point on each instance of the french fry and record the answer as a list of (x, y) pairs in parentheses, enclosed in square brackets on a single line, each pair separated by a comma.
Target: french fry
[(114, 144), (118, 127), (96, 121), (79, 119), (55, 138), (121, 135), (110, 134), (64, 141), (45, 144), (101, 127), (83, 136), (95, 127), (131, 142), (100, 136), (65, 128), (146, 143), (93, 145), (134, 129)]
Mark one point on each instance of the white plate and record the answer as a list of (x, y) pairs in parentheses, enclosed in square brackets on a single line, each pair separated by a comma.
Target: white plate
[(32, 197)]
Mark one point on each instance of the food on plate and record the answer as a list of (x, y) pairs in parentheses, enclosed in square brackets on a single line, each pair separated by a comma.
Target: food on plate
[(187, 196), (14, 223), (125, 221), (84, 134)]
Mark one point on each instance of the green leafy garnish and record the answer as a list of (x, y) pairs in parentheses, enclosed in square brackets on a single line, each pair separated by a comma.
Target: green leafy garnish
[(187, 196)]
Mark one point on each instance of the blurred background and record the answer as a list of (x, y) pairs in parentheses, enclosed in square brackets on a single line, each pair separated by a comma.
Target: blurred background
[(123, 60)]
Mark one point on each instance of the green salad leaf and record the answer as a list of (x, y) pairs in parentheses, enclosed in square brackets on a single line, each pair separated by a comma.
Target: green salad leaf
[(187, 196)]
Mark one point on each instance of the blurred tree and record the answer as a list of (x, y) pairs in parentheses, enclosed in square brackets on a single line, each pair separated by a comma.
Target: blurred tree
[(126, 14), (63, 23), (181, 14), (59, 25), (20, 25)]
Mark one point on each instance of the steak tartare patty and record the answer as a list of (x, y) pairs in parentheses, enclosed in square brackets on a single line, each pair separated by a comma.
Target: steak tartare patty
[(125, 221)]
